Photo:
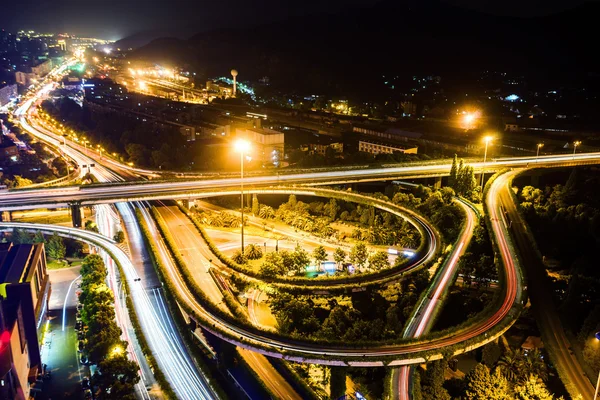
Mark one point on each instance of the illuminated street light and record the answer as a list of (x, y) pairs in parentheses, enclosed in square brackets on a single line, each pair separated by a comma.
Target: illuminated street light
[(242, 146), (537, 154), (116, 351), (469, 119), (575, 144), (486, 139)]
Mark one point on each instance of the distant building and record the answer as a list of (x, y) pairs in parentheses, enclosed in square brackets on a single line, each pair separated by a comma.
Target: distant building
[(8, 149), (267, 144), (7, 94), (42, 69), (381, 148), (24, 78), (24, 293), (511, 127), (318, 148), (220, 88), (409, 108)]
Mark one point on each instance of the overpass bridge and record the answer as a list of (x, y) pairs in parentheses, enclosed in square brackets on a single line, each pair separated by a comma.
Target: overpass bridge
[(20, 199)]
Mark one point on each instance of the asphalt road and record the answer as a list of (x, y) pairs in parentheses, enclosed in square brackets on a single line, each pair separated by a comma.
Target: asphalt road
[(193, 250), (196, 254), (542, 302), (424, 317)]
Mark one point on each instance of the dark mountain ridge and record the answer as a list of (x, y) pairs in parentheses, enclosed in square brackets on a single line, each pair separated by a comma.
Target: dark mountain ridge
[(350, 51)]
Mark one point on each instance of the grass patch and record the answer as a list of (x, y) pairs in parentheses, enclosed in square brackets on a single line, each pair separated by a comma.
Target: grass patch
[(60, 264)]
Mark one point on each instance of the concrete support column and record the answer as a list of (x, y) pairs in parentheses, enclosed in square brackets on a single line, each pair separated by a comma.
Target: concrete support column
[(437, 184), (5, 216), (535, 177), (76, 214)]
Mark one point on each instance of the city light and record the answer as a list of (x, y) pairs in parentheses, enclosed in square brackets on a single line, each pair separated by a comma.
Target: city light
[(242, 146), (117, 351), (469, 119)]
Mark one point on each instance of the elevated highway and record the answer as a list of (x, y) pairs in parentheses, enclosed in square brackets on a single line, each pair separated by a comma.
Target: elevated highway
[(164, 190)]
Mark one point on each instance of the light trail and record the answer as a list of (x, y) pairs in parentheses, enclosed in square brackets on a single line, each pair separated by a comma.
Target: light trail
[(422, 321)]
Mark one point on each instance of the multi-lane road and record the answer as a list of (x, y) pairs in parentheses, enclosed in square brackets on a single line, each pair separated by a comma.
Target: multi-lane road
[(110, 193)]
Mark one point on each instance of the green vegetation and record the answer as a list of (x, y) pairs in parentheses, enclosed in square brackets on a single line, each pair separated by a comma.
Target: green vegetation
[(116, 375), (362, 316), (515, 376), (61, 252), (119, 237), (462, 180)]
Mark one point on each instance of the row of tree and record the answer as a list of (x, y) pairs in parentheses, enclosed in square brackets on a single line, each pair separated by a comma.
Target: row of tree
[(462, 180), (116, 375), (56, 247), (511, 375)]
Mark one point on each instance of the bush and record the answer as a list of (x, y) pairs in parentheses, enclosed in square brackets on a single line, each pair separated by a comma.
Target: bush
[(253, 252)]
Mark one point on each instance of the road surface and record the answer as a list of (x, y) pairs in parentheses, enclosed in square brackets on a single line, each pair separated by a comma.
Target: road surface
[(422, 320), (543, 305)]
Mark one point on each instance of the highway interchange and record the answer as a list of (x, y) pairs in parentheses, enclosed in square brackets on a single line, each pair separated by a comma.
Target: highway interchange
[(394, 355)]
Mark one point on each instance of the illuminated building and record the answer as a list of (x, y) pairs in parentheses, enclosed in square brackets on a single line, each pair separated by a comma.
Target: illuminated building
[(24, 293)]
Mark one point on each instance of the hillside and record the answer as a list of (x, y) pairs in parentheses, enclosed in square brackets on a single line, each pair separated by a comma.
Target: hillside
[(349, 51)]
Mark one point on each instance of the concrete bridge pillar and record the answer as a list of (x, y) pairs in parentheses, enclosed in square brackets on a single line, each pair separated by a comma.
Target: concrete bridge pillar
[(76, 214), (437, 183), (535, 177), (188, 203), (5, 216)]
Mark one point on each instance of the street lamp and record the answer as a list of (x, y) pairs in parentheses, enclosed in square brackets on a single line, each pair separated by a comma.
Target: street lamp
[(575, 144), (598, 381), (242, 146), (486, 139), (537, 154)]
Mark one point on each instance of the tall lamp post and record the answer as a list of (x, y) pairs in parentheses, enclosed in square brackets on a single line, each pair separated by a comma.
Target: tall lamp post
[(242, 146), (486, 139), (537, 154), (597, 382), (575, 144)]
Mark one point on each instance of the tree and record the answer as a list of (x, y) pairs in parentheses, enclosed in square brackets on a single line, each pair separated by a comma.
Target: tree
[(255, 205), (38, 237), (20, 182), (91, 226), (19, 236), (269, 270), (93, 263), (510, 364), (253, 252), (432, 381), (55, 248), (300, 259), (337, 382), (339, 256), (319, 255), (379, 260), (119, 236), (359, 255), (453, 173), (331, 209), (116, 377), (239, 258), (483, 385), (532, 389)]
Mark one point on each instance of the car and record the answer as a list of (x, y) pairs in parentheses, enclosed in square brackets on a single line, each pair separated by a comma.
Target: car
[(83, 359), (597, 335), (81, 345)]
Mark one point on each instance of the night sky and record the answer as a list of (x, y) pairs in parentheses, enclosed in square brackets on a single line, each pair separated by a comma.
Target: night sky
[(114, 19)]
